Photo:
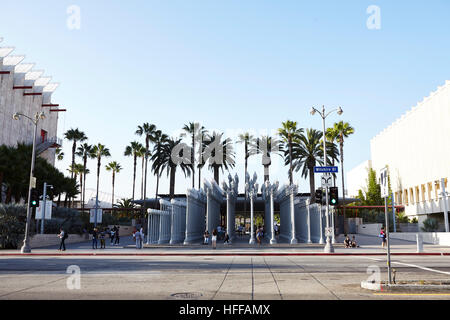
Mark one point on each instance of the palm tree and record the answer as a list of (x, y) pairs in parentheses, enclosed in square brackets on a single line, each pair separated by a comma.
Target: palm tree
[(147, 130), (289, 134), (159, 140), (342, 130), (164, 161), (76, 136), (194, 130), (133, 150), (84, 151), (267, 145), (306, 153), (98, 152), (59, 154), (219, 153), (249, 149), (115, 168)]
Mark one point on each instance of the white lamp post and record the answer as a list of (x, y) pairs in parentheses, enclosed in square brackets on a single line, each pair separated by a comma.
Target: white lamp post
[(328, 246), (26, 248)]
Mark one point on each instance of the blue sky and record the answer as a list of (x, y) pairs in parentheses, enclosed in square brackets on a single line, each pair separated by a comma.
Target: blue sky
[(231, 65)]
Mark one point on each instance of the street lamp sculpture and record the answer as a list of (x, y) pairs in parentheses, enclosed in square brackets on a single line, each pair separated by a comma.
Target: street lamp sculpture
[(26, 248), (268, 191), (251, 190), (231, 191), (328, 246)]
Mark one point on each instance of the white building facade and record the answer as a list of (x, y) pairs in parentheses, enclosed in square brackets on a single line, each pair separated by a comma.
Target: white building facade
[(26, 91), (415, 148)]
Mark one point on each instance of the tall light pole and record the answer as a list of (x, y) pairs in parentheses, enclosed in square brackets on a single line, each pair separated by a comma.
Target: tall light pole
[(328, 246), (26, 248), (251, 189)]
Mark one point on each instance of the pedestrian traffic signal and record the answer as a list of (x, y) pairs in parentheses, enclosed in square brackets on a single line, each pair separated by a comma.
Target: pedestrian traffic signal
[(34, 200), (318, 196), (334, 196)]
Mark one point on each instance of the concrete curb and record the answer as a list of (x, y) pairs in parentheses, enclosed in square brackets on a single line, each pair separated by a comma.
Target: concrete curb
[(49, 254), (384, 287)]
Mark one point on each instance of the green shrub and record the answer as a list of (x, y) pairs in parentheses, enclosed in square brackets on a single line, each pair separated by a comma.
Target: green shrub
[(13, 219), (430, 225)]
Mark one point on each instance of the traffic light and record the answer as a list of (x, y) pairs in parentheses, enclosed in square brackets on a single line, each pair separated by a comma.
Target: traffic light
[(334, 196), (34, 201), (318, 196)]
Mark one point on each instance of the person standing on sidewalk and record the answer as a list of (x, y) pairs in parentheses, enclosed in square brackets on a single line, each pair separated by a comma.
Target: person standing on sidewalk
[(102, 239), (63, 236), (94, 238), (138, 237), (117, 240), (214, 238)]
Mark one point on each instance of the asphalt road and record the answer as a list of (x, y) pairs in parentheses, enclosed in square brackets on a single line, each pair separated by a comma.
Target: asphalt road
[(211, 277)]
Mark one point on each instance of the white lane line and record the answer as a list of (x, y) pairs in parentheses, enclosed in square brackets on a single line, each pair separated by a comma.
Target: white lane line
[(412, 265)]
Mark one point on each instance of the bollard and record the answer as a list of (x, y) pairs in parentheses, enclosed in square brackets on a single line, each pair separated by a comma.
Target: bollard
[(419, 243)]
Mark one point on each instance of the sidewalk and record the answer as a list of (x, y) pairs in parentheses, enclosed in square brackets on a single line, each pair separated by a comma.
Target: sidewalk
[(369, 245)]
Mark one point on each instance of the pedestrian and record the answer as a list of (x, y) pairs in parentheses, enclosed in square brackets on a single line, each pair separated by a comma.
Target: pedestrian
[(63, 236), (111, 235), (227, 238), (138, 236), (214, 238), (94, 238), (354, 244), (383, 237), (102, 239), (141, 231), (258, 235), (117, 240), (206, 237)]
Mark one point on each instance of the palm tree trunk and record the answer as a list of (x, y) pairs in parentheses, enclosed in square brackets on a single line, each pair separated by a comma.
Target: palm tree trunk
[(199, 177), (312, 186), (216, 174), (142, 179), (134, 174), (81, 187), (290, 163), (193, 160), (172, 182), (157, 188), (266, 172), (342, 172), (84, 185), (113, 178)]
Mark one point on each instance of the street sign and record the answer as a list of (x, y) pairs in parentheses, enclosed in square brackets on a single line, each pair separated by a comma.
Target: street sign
[(48, 210), (325, 169), (33, 182), (92, 215), (326, 180), (384, 183)]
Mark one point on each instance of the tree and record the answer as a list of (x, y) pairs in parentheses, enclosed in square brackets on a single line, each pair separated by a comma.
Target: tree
[(99, 151), (219, 153), (115, 167), (172, 150), (76, 136), (289, 134), (148, 131), (159, 140), (59, 154), (371, 196), (267, 146), (84, 151), (341, 131), (133, 150), (249, 149), (306, 153), (194, 130)]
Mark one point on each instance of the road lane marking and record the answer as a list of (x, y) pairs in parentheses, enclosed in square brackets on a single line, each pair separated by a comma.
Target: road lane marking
[(412, 265)]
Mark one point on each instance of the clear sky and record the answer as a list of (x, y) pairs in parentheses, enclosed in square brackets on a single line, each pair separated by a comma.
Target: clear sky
[(232, 65)]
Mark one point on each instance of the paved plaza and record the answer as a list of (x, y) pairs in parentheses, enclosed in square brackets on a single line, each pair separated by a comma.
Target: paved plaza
[(237, 272)]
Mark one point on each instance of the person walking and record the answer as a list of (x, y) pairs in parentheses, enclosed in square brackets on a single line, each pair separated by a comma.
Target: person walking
[(383, 237), (94, 238), (214, 238), (206, 237), (137, 237), (63, 236), (226, 239), (141, 231)]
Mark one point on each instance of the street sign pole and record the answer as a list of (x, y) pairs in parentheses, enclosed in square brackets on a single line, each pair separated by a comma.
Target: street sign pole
[(387, 239), (393, 212)]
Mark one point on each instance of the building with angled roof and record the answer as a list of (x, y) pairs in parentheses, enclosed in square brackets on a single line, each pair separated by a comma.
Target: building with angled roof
[(27, 90)]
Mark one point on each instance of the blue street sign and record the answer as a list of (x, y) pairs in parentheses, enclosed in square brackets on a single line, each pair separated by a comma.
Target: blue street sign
[(325, 169)]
